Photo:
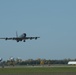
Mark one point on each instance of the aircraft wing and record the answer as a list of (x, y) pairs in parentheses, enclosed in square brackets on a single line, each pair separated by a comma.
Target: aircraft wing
[(4, 38), (17, 38), (10, 38), (32, 38)]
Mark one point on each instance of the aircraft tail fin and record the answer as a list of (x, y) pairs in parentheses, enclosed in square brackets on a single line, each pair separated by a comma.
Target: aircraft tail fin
[(16, 34)]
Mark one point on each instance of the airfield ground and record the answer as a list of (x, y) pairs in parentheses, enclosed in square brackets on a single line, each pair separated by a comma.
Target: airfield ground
[(38, 70), (42, 74)]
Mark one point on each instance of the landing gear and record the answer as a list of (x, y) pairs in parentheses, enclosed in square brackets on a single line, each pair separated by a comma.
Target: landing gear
[(17, 40), (23, 40)]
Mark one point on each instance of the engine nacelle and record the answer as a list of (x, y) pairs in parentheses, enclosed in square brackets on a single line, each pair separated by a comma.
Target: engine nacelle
[(35, 38), (31, 38), (6, 38)]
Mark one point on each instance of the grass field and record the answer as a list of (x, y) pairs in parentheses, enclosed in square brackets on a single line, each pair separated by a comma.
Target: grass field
[(37, 70)]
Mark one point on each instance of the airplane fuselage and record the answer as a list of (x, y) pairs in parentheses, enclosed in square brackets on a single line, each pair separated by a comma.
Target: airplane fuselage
[(22, 37)]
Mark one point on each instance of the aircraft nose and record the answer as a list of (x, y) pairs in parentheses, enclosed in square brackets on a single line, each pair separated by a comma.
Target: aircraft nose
[(24, 34)]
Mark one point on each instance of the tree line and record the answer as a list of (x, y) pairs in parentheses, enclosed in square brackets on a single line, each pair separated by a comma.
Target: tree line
[(36, 62)]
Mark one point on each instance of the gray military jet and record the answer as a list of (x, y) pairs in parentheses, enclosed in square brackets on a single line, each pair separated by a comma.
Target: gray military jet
[(20, 38)]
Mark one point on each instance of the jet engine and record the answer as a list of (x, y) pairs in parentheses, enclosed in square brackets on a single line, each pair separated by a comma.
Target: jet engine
[(35, 38), (6, 38)]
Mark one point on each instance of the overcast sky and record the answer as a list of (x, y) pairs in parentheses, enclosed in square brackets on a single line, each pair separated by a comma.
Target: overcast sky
[(53, 20)]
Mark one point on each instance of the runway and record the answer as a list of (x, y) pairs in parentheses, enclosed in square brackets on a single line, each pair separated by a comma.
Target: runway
[(17, 66)]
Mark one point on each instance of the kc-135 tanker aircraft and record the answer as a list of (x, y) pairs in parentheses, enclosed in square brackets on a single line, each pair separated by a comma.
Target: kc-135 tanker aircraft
[(20, 38)]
